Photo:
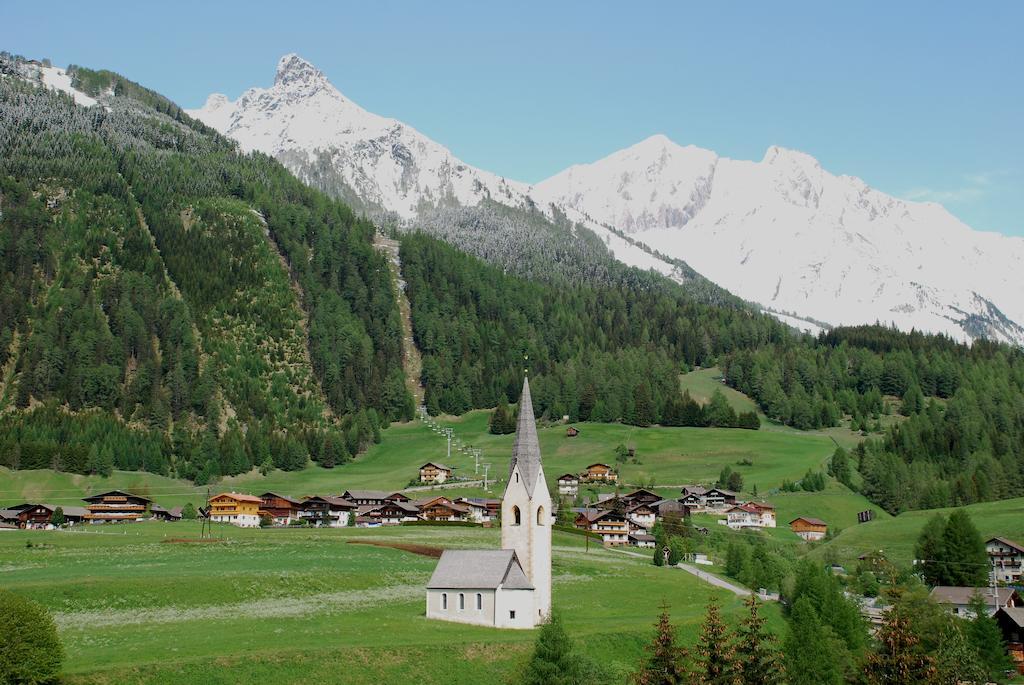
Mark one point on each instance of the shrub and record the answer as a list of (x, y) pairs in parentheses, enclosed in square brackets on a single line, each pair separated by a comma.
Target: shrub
[(30, 651)]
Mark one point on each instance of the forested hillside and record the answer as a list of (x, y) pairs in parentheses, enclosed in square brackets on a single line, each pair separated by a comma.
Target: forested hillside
[(169, 304)]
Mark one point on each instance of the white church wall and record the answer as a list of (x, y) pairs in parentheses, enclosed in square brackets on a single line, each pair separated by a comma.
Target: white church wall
[(515, 609), (484, 616)]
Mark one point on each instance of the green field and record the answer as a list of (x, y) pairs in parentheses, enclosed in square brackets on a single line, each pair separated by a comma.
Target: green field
[(896, 535), (292, 605), (671, 456)]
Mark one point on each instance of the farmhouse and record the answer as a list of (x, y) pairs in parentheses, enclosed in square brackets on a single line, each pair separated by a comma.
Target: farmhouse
[(695, 497), (719, 499), (280, 508), (435, 472), (664, 507), (957, 600), (642, 515), (442, 509), (642, 496), (326, 511), (374, 497), (809, 528), (29, 515), (1007, 559), (510, 587), (161, 514), (568, 484), (611, 526), (238, 510), (391, 513), (1011, 623), (599, 473), (116, 506), (641, 539)]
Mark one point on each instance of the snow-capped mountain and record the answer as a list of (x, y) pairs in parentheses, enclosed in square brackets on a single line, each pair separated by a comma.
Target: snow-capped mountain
[(785, 233), (805, 244)]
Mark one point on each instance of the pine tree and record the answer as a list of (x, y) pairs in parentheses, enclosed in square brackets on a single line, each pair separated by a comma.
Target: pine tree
[(666, 663), (967, 563), (987, 639), (899, 658), (930, 550), (715, 652), (554, 661), (957, 661), (759, 661), (810, 648), (57, 518), (188, 512)]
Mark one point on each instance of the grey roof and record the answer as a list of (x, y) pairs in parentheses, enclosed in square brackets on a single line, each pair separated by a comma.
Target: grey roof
[(694, 490), (1015, 614), (368, 494), (950, 594), (9, 514), (478, 569), (526, 448), (75, 511)]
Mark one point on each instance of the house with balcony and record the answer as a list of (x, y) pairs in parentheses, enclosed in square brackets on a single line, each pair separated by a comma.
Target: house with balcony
[(610, 525), (236, 509), (1007, 559), (116, 506), (568, 484), (435, 472)]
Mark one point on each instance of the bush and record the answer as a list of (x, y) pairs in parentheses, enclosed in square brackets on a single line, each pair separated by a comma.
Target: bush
[(30, 651)]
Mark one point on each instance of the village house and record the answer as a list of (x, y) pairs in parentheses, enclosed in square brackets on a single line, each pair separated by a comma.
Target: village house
[(719, 499), (642, 496), (510, 587), (599, 473), (236, 509), (568, 484), (611, 526), (390, 513), (751, 515), (695, 497), (282, 509), (434, 472), (664, 507), (442, 509), (1011, 623), (641, 539), (809, 528), (1007, 559), (326, 511), (642, 515), (477, 512), (116, 506), (30, 515), (374, 497), (491, 507), (161, 514), (957, 600)]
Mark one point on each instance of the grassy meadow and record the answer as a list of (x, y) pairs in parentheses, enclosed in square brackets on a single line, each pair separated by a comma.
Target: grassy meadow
[(133, 606)]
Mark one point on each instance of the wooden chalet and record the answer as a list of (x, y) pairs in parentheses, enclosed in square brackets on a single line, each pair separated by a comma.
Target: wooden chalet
[(665, 507), (475, 511), (599, 473), (435, 472), (1007, 558), (1011, 623), (809, 528), (611, 526), (642, 496), (639, 539), (116, 506), (327, 511), (373, 497), (568, 484), (695, 497), (572, 432), (751, 515), (236, 509), (719, 499), (641, 514), (30, 515), (390, 513), (442, 509), (488, 508), (281, 508), (161, 514)]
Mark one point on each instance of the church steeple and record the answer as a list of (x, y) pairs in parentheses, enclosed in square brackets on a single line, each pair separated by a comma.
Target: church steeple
[(526, 448)]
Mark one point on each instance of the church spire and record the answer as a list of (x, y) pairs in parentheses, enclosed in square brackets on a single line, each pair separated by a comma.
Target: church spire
[(526, 448)]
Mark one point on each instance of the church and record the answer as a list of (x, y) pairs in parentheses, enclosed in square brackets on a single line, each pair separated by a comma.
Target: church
[(508, 587)]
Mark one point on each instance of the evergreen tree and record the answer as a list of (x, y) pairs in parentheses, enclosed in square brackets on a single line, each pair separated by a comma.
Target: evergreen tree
[(809, 648), (899, 658), (502, 421), (966, 560), (30, 651), (930, 550), (957, 660), (188, 512), (554, 660), (759, 661), (715, 652), (719, 412), (57, 518), (987, 639), (666, 661)]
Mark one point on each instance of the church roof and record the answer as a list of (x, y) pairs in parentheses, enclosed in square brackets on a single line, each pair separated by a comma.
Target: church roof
[(478, 569), (526, 448)]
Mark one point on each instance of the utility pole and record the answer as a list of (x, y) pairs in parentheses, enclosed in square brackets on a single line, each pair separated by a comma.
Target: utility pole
[(448, 433), (476, 462), (487, 468)]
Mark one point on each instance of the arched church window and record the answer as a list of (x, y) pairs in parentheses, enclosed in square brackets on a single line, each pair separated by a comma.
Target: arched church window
[(444, 601), (479, 602), (462, 602), (515, 516), (540, 516)]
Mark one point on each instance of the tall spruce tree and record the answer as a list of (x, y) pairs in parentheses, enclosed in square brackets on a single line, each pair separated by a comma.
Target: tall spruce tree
[(987, 639), (666, 660), (715, 662), (966, 560), (759, 661), (930, 551), (810, 648)]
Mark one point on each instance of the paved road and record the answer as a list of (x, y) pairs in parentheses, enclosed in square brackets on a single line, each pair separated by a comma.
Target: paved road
[(709, 578)]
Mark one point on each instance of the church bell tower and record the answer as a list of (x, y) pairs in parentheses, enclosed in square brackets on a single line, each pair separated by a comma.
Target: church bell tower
[(526, 507)]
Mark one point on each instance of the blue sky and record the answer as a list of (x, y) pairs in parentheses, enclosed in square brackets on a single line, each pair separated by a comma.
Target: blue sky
[(923, 100)]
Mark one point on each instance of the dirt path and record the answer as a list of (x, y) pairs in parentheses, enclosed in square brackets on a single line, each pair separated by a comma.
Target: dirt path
[(413, 362)]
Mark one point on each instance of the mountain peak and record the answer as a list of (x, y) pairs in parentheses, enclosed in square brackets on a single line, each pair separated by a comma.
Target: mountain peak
[(293, 71), (216, 101), (781, 155)]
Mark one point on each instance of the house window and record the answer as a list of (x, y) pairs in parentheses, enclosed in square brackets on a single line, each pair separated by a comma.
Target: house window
[(540, 516), (479, 602), (515, 516), (444, 601), (462, 602), (512, 615)]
